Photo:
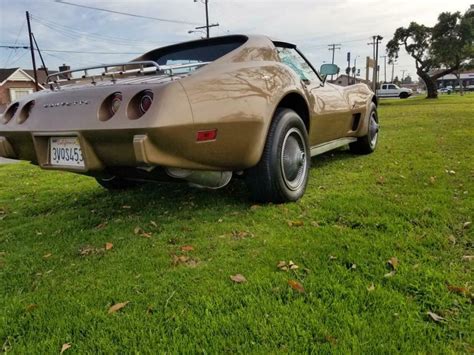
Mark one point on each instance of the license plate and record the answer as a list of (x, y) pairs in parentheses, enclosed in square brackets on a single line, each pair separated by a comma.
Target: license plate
[(65, 151)]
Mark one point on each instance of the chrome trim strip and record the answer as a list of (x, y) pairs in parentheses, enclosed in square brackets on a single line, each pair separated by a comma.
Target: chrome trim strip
[(326, 147)]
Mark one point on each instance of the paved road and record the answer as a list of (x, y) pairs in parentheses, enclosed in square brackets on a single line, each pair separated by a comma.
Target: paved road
[(7, 161)]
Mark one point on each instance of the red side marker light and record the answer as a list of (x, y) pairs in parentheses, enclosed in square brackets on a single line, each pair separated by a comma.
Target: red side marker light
[(208, 135)]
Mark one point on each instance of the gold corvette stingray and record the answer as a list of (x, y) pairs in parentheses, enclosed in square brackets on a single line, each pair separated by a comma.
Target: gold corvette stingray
[(198, 111)]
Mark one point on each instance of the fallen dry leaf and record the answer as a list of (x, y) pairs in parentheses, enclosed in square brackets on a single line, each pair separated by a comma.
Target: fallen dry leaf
[(393, 262), (89, 250), (238, 278), (154, 224), (241, 234), (330, 339), (65, 347), (295, 285), (451, 172), (126, 207), (292, 265), (380, 180), (108, 246), (466, 225), (184, 260), (180, 259), (282, 265), (295, 223), (187, 248), (452, 239), (46, 256), (117, 307), (140, 232), (468, 257), (332, 257), (31, 307), (432, 180), (101, 225), (371, 287), (390, 274), (459, 290), (435, 317), (254, 207)]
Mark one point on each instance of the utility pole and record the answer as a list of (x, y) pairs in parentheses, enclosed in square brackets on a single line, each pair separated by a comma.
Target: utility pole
[(393, 70), (41, 56), (377, 40), (375, 49), (403, 75), (333, 47), (32, 51), (384, 68), (207, 26)]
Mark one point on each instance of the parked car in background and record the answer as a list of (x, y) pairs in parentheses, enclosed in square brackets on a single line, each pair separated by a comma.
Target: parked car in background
[(201, 112), (392, 90), (446, 90)]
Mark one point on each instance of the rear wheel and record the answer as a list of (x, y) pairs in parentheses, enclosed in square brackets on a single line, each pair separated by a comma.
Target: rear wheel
[(404, 95), (116, 183), (368, 143), (282, 173)]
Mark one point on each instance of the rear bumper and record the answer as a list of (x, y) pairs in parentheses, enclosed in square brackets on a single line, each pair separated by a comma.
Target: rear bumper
[(171, 146)]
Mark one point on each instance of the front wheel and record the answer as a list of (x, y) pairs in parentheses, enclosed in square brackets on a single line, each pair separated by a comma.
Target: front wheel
[(282, 173), (368, 143)]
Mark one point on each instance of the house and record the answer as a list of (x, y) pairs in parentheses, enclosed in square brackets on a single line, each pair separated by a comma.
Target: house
[(345, 80), (467, 79), (17, 82)]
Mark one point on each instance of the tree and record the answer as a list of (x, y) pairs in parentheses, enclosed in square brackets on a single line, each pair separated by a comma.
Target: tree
[(452, 41), (407, 80), (420, 41)]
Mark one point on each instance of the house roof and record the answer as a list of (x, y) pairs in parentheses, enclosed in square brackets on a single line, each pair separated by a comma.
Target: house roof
[(41, 74), (5, 73)]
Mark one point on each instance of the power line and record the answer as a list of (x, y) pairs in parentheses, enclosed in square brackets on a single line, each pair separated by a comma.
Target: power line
[(67, 51), (16, 41), (70, 31), (125, 13)]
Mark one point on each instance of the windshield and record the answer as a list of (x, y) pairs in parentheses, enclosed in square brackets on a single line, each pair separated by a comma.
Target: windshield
[(195, 52)]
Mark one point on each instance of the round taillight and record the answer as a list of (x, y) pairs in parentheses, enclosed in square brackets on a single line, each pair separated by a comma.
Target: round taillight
[(26, 111), (145, 101), (116, 101), (110, 106), (10, 112), (140, 104)]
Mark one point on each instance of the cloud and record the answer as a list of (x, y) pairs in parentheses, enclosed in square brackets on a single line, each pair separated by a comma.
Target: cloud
[(312, 24)]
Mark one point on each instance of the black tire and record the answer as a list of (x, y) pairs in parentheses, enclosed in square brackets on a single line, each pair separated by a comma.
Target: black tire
[(282, 172), (404, 95), (368, 143), (116, 183)]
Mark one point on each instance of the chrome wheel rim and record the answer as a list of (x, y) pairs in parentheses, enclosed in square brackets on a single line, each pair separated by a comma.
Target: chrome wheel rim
[(294, 159), (373, 129)]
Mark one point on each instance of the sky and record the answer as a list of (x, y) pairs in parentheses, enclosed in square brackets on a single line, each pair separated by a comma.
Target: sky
[(311, 24)]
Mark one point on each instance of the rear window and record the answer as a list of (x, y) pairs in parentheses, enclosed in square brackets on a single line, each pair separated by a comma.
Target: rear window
[(196, 51)]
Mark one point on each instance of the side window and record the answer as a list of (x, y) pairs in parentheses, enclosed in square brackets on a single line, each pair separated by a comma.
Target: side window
[(392, 87), (384, 87), (295, 61)]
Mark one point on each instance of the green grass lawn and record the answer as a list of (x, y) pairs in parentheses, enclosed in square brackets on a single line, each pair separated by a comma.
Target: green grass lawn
[(410, 200)]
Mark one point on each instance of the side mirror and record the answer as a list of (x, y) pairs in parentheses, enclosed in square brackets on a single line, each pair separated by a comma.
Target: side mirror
[(328, 69)]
